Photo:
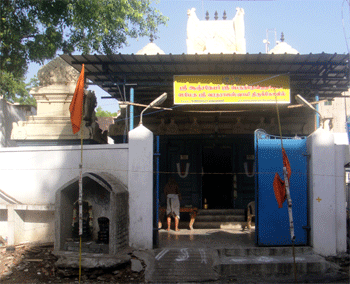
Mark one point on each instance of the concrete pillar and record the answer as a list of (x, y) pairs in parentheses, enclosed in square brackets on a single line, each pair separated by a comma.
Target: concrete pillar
[(322, 192), (341, 158), (15, 226), (140, 187)]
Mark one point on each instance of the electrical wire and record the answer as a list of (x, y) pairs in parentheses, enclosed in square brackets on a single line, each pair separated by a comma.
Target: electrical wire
[(347, 38)]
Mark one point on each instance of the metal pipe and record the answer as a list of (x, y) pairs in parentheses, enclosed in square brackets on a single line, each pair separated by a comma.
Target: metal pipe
[(142, 105), (317, 113), (156, 234), (156, 102), (131, 109)]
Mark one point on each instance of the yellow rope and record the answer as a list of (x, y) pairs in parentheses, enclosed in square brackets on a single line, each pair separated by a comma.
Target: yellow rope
[(279, 121)]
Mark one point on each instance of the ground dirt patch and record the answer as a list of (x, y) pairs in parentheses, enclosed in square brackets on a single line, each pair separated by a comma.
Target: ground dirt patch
[(31, 263)]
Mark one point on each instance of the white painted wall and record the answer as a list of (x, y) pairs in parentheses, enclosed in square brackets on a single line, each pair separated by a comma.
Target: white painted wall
[(10, 113), (141, 187), (32, 175), (326, 193)]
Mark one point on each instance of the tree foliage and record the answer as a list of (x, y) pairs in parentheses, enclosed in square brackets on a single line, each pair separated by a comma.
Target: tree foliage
[(35, 30), (105, 113), (16, 90)]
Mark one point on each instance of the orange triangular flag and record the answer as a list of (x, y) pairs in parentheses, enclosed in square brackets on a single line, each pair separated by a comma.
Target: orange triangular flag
[(286, 163), (280, 190), (279, 186), (76, 106)]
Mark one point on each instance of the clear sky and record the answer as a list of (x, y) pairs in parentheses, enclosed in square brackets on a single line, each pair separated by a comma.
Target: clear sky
[(308, 26)]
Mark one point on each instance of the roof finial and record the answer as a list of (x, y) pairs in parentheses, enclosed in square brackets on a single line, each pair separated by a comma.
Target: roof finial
[(151, 38), (216, 15), (282, 37), (224, 17), (207, 16)]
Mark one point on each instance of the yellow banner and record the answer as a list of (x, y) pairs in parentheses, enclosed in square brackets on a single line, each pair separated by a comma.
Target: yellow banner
[(231, 89)]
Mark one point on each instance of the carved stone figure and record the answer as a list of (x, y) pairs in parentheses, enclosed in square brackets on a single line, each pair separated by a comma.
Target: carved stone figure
[(118, 128), (90, 102), (262, 124), (238, 127), (195, 127), (57, 71), (273, 127), (172, 127), (161, 129)]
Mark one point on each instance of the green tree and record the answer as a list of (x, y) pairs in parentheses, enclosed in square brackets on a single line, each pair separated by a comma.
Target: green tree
[(16, 90), (35, 30), (104, 113)]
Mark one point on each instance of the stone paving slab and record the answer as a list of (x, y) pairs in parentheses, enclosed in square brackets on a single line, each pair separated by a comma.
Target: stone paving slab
[(175, 265), (265, 251), (273, 265)]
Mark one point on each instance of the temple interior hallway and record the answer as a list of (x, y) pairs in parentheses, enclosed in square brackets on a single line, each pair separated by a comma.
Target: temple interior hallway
[(217, 179)]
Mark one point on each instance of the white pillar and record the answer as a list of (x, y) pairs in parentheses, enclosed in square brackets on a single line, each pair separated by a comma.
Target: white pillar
[(341, 158), (15, 226), (322, 193), (140, 188)]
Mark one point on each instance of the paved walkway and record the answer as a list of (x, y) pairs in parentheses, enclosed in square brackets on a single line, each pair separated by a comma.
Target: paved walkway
[(207, 238), (192, 256)]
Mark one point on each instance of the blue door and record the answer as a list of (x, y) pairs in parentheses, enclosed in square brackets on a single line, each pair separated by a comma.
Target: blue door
[(272, 223)]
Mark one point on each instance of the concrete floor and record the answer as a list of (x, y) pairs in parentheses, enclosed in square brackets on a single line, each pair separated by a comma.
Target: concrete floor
[(207, 238), (204, 255)]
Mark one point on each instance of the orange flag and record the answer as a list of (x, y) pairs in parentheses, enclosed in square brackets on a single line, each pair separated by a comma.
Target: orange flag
[(279, 186), (76, 106)]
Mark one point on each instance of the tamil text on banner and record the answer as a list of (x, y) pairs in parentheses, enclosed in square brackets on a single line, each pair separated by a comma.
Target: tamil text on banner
[(231, 89)]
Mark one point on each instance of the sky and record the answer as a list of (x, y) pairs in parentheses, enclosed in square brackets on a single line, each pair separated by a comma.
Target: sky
[(309, 27)]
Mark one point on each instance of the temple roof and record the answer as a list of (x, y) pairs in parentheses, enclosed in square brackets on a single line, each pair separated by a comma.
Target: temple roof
[(325, 75)]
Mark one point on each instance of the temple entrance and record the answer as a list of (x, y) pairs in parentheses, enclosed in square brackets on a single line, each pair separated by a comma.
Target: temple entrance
[(217, 180)]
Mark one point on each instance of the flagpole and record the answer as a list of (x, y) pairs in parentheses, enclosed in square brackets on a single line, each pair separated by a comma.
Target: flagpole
[(291, 222), (81, 186), (289, 200), (80, 198), (76, 109)]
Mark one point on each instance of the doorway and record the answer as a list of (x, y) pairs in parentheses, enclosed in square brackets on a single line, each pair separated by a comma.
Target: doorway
[(217, 178)]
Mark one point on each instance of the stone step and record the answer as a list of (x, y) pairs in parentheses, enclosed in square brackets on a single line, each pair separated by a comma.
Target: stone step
[(272, 265), (264, 251), (220, 218), (202, 212)]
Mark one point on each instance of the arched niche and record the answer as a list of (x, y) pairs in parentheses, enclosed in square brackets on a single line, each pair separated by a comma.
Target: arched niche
[(108, 198)]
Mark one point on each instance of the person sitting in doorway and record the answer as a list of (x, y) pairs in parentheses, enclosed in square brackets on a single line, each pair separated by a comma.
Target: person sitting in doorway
[(173, 196), (250, 213)]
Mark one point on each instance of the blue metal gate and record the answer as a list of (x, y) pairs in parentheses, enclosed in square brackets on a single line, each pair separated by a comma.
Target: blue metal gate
[(272, 223)]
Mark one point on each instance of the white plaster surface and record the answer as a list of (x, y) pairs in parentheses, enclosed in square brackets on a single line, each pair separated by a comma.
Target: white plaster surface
[(30, 177), (341, 159), (326, 190), (282, 48), (11, 113), (215, 36), (150, 49), (141, 187)]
